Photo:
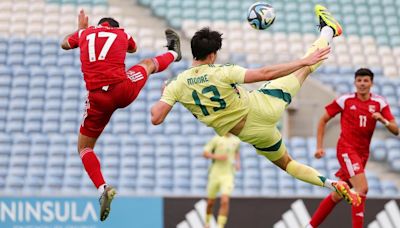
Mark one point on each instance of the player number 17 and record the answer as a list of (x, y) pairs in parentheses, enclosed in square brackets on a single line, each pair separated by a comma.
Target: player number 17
[(91, 46)]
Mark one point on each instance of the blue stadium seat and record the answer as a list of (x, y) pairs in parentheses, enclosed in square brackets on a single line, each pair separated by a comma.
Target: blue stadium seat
[(389, 188), (378, 149)]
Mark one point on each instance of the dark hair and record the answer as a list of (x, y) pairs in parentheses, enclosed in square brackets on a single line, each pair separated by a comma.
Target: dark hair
[(205, 42), (364, 72), (111, 21)]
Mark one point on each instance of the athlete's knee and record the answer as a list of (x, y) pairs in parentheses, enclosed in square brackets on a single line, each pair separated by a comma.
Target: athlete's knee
[(283, 161), (210, 203), (224, 201), (362, 190), (85, 142)]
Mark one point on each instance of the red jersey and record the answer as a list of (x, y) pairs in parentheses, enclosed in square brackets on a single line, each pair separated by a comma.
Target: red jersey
[(103, 51), (357, 124)]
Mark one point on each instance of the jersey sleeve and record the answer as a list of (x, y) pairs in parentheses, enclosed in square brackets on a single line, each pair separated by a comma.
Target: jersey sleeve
[(234, 73), (387, 114), (210, 146), (169, 95), (333, 108), (131, 42), (73, 40)]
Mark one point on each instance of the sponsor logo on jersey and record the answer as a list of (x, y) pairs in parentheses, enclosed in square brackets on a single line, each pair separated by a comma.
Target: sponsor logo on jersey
[(353, 107)]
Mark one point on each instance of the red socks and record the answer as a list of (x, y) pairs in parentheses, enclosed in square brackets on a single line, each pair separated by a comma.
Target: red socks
[(92, 166), (357, 214), (323, 210), (163, 61)]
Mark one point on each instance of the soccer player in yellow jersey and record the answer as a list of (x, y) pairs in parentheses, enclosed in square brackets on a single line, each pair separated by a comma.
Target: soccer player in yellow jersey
[(212, 93), (224, 152)]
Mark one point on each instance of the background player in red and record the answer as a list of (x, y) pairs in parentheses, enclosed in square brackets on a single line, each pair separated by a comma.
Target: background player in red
[(359, 113), (102, 52)]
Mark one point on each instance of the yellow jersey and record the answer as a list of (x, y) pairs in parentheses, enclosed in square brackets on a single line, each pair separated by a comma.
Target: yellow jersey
[(229, 145), (211, 92)]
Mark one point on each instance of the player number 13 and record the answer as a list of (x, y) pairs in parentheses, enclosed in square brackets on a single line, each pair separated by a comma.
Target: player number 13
[(215, 98), (91, 46), (363, 120)]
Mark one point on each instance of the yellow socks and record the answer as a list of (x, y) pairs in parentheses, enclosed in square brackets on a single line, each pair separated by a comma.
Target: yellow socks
[(305, 173), (208, 218), (319, 43), (221, 221)]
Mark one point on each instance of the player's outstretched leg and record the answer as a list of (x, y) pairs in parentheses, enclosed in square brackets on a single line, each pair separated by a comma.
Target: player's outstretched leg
[(105, 202), (161, 62), (329, 28), (310, 175)]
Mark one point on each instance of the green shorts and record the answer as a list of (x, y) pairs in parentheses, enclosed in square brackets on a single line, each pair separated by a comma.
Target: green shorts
[(220, 183), (267, 105)]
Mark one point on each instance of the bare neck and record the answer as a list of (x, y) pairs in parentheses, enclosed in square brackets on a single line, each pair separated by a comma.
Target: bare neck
[(363, 97), (201, 62)]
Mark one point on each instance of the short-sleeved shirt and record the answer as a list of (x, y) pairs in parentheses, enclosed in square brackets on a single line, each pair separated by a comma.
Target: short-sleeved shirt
[(228, 145), (102, 52), (212, 94), (357, 124)]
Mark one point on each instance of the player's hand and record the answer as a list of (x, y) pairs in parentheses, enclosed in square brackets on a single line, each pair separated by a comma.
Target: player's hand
[(207, 155), (83, 20), (221, 157), (317, 56), (319, 153), (378, 116)]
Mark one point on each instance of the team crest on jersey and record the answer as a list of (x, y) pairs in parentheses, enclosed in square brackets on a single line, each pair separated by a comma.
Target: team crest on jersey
[(371, 108)]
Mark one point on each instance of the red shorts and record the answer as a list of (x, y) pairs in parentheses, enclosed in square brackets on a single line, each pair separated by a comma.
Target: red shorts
[(351, 163), (101, 103)]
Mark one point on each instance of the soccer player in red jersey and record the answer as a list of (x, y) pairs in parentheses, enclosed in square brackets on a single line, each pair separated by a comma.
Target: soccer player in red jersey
[(359, 113), (103, 50)]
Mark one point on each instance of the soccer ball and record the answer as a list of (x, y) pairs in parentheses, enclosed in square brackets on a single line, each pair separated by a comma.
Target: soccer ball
[(261, 15)]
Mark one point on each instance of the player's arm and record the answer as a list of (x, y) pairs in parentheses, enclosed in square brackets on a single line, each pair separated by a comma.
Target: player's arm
[(237, 160), (391, 125), (220, 157), (159, 111), (83, 22), (280, 70), (65, 44), (132, 47), (331, 110), (209, 150), (319, 153), (132, 50)]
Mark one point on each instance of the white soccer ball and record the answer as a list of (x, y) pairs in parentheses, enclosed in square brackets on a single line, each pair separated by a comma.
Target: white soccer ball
[(261, 15)]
